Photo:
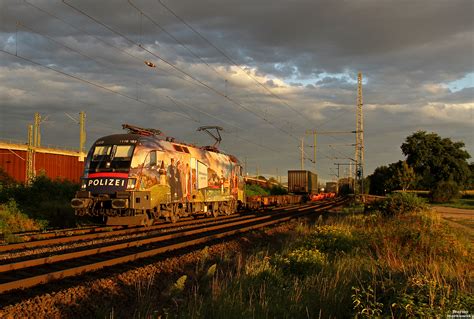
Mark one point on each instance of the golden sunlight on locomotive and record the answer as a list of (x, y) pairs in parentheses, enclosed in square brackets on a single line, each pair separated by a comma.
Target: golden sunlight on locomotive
[(139, 177)]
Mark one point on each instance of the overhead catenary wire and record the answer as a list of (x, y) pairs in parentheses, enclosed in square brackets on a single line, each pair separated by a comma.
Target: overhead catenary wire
[(180, 70), (172, 36), (123, 51), (228, 58), (169, 97), (233, 62), (155, 23), (58, 42), (140, 59), (116, 92), (91, 83)]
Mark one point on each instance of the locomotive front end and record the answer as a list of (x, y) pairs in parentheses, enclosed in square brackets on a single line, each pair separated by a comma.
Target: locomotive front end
[(106, 189)]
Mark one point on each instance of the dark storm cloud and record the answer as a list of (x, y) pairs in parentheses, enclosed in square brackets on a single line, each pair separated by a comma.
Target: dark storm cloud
[(306, 52)]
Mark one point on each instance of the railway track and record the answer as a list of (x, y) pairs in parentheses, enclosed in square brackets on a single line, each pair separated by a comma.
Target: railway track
[(56, 233), (38, 268)]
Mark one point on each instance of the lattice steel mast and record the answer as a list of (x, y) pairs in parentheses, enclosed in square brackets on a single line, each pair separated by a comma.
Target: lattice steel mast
[(30, 156), (359, 147)]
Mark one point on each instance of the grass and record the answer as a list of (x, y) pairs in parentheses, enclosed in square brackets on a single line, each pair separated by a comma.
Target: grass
[(360, 265), (463, 221)]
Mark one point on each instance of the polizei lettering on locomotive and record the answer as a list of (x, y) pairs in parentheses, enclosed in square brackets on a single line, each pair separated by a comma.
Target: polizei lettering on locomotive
[(106, 182)]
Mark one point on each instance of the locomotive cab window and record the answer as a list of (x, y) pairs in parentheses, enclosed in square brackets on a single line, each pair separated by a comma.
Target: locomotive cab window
[(111, 158), (123, 152), (101, 151)]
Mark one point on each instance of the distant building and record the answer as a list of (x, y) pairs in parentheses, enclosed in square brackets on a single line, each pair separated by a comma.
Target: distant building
[(53, 162)]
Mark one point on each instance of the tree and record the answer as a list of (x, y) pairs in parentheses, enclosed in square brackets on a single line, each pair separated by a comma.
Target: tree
[(379, 180), (470, 180), (395, 176), (5, 179), (435, 159), (403, 176)]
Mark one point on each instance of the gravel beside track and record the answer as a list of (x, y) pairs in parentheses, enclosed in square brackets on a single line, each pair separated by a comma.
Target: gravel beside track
[(111, 237)]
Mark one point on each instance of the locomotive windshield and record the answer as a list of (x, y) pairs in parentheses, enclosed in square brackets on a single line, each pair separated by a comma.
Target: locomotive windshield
[(111, 158)]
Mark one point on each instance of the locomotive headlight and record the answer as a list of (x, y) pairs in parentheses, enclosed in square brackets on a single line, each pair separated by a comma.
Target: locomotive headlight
[(131, 183)]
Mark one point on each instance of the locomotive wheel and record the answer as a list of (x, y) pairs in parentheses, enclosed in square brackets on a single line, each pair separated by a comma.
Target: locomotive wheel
[(175, 213), (181, 211), (174, 218), (229, 207)]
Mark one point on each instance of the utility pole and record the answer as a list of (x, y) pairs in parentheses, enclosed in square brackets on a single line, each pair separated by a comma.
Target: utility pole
[(82, 128), (359, 149), (315, 140), (37, 131), (82, 131), (30, 156)]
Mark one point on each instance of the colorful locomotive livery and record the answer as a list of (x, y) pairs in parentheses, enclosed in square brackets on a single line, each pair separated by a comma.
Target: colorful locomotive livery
[(138, 177)]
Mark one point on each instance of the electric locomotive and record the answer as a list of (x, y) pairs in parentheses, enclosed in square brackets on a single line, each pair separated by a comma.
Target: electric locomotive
[(141, 176)]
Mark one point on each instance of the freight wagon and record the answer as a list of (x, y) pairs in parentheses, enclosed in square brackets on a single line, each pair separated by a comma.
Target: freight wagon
[(331, 187), (302, 182)]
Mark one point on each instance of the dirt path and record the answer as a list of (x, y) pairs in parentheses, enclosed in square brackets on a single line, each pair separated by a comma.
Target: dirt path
[(450, 212), (460, 218)]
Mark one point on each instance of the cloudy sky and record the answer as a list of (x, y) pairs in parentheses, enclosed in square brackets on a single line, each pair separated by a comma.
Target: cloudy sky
[(265, 71)]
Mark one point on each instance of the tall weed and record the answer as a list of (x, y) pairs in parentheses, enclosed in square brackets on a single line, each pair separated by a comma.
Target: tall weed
[(12, 221)]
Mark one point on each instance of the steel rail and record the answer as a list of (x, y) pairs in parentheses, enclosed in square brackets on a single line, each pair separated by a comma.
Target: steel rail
[(185, 241), (103, 247), (35, 236), (105, 233), (128, 244), (63, 240)]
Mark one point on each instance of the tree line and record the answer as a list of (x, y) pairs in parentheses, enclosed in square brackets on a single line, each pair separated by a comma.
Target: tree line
[(432, 163)]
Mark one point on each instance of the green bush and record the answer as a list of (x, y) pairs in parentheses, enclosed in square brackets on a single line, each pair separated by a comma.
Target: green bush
[(12, 221), (399, 204), (251, 190), (331, 239), (44, 199), (445, 191), (300, 262)]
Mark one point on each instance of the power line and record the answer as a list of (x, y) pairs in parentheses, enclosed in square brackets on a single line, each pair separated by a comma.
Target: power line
[(106, 42), (232, 61), (59, 43), (171, 99), (172, 36), (110, 44), (179, 69), (91, 83), (119, 93), (154, 22)]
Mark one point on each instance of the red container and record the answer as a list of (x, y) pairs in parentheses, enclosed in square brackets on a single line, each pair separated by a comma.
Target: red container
[(54, 163)]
